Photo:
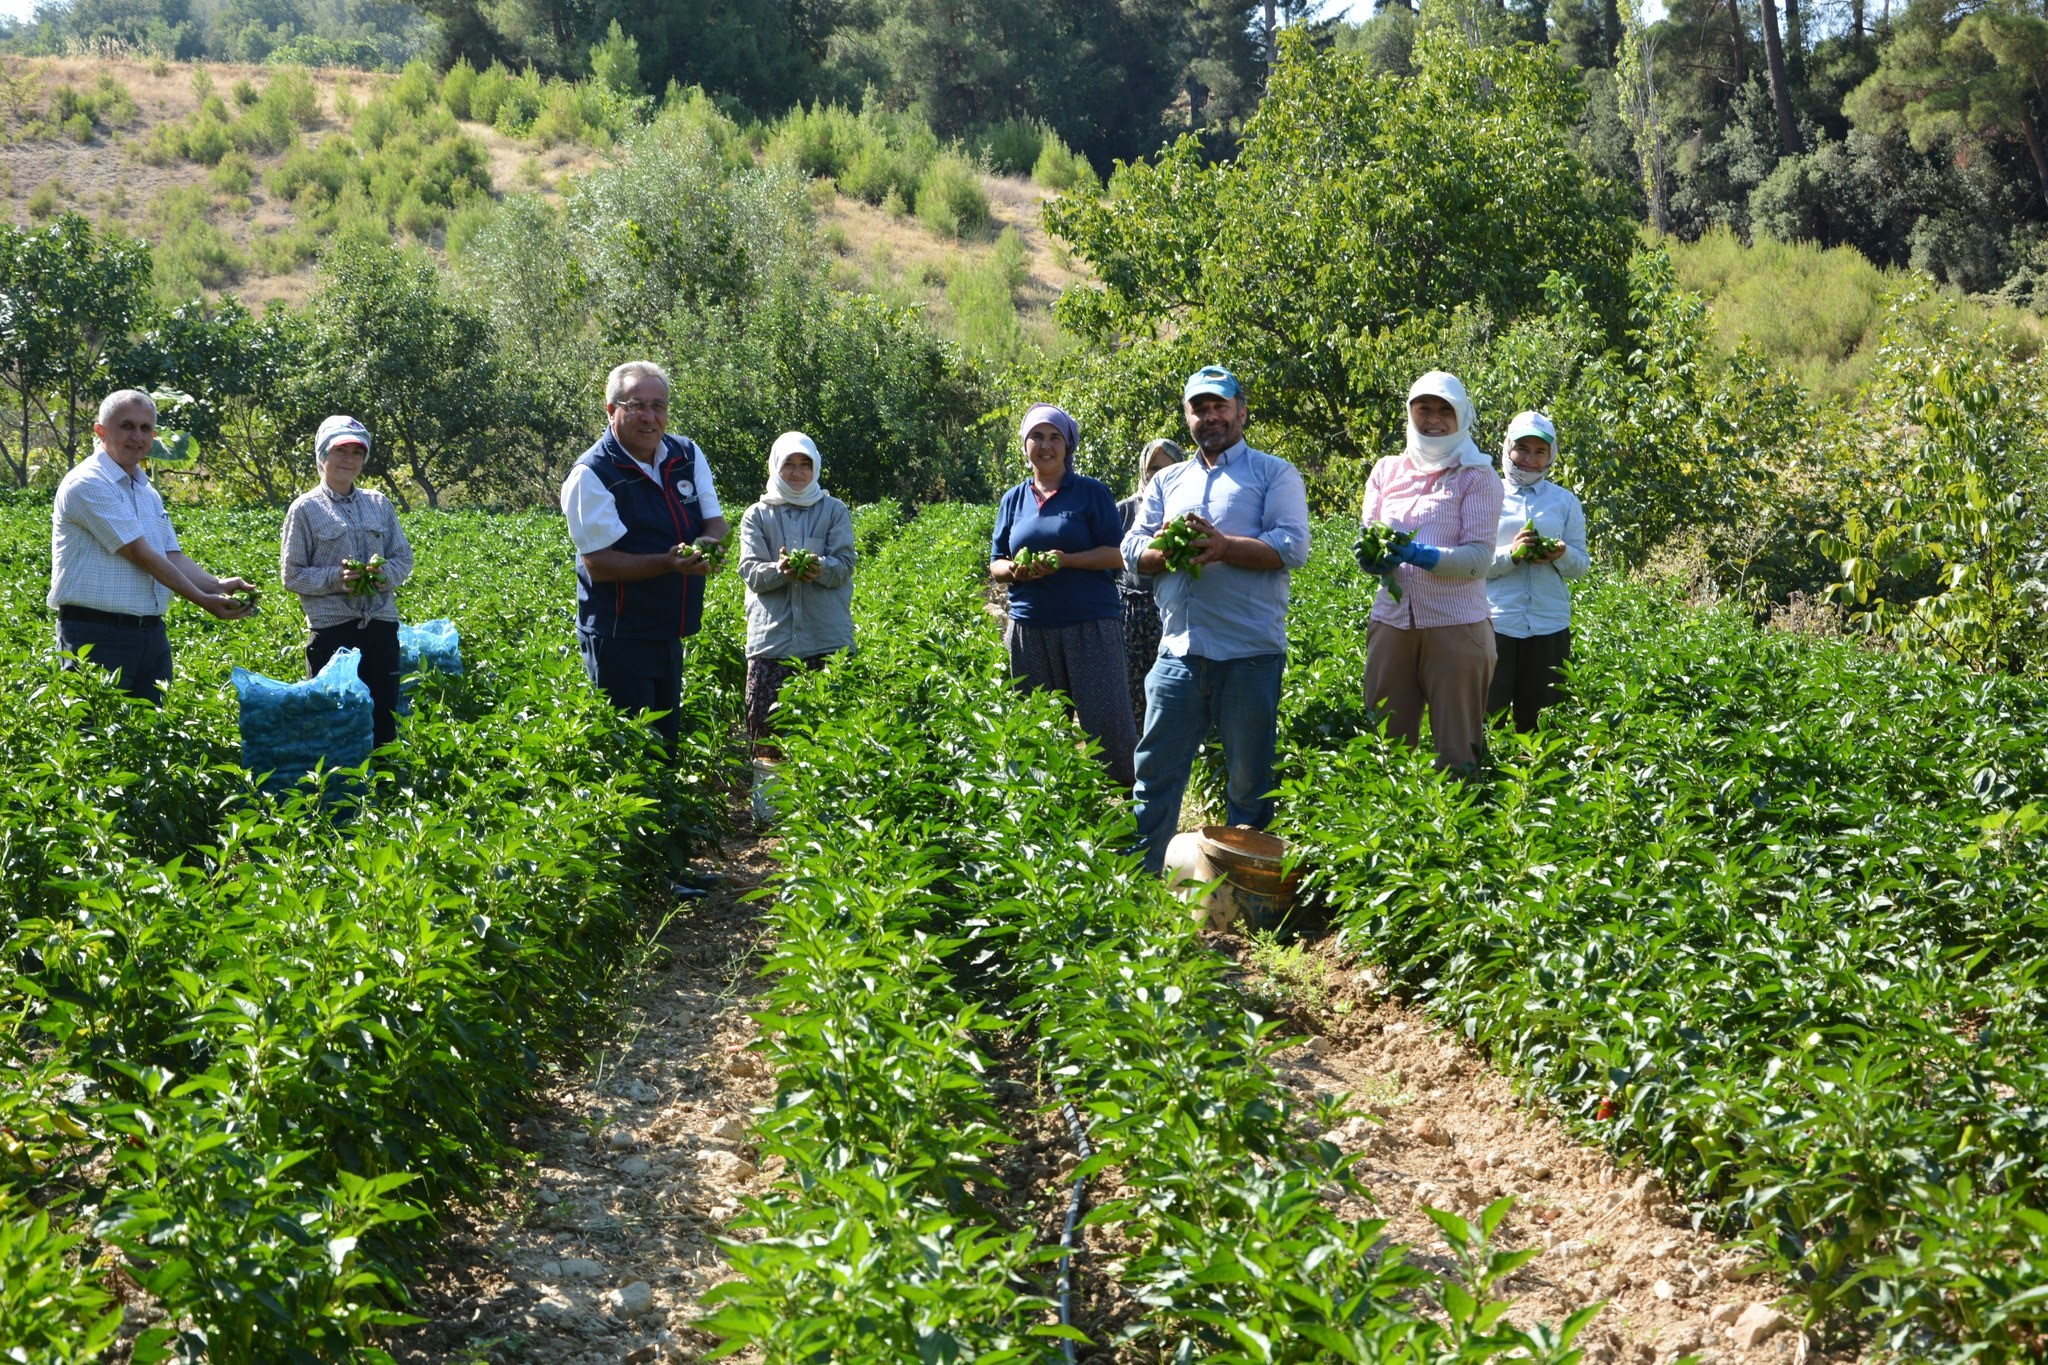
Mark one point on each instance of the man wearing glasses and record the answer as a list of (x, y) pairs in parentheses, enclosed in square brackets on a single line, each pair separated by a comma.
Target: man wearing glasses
[(640, 505), (115, 561)]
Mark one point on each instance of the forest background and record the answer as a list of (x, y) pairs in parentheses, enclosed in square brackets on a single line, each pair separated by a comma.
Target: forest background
[(1777, 273)]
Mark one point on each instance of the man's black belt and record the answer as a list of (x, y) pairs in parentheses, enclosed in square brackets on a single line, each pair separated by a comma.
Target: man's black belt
[(67, 612)]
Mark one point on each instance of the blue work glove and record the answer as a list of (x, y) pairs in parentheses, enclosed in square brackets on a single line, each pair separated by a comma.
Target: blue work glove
[(1420, 555)]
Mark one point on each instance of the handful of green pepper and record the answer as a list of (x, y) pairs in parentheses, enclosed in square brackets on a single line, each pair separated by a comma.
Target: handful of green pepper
[(801, 562), (1176, 540), (369, 579), (1377, 543), (1031, 559), (251, 598), (711, 551), (1543, 549)]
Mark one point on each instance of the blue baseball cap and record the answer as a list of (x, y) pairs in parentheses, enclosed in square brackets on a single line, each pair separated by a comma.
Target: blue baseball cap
[(1211, 379)]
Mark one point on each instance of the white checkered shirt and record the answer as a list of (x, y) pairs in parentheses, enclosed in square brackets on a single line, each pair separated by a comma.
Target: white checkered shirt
[(99, 509)]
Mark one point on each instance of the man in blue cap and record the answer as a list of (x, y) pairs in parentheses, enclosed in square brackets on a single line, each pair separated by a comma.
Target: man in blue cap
[(1223, 646)]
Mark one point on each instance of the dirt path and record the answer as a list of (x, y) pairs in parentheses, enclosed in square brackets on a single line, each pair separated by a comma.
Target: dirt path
[(640, 1161), (1447, 1131)]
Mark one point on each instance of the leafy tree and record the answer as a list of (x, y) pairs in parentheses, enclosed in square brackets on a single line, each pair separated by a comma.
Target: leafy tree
[(615, 62), (1955, 565), (417, 367), (247, 407), (1985, 79), (1362, 208), (69, 299)]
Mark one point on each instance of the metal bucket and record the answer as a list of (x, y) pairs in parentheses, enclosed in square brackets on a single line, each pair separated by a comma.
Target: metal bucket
[(1257, 891)]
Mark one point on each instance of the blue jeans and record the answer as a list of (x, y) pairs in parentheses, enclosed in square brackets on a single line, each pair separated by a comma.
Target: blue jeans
[(1184, 700)]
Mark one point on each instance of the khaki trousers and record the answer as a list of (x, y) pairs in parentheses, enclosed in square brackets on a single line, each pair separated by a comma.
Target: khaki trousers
[(1444, 669)]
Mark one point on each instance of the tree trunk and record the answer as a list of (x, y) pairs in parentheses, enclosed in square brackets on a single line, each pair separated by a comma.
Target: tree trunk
[(1795, 44), (1741, 43), (1856, 17), (1781, 94), (2032, 131)]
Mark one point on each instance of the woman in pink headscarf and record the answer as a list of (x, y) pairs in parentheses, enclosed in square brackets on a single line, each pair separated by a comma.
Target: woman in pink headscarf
[(1433, 649)]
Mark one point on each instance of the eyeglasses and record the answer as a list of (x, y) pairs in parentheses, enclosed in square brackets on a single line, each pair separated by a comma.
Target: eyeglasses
[(633, 407)]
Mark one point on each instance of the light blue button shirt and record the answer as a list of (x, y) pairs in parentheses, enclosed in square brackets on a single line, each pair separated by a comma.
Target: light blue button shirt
[(1229, 612), (1535, 599)]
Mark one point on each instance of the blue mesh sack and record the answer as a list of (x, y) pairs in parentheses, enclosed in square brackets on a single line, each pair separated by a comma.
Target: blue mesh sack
[(429, 647), (288, 729)]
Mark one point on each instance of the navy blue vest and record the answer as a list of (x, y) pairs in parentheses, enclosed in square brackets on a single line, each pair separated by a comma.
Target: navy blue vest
[(659, 515)]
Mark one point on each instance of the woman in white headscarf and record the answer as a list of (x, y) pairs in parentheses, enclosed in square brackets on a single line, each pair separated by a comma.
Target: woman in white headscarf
[(1432, 649), (796, 559), (1528, 585)]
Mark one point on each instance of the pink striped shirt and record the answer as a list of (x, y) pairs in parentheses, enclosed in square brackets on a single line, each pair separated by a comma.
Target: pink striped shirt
[(1452, 509)]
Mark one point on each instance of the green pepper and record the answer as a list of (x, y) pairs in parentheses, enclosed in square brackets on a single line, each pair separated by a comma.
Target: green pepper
[(1176, 541)]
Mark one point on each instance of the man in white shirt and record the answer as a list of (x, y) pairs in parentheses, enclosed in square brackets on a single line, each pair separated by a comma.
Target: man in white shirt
[(640, 504), (115, 561)]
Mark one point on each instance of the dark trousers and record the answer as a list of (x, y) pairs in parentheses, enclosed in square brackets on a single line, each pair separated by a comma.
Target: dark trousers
[(139, 657), (378, 668), (639, 675), (1526, 675)]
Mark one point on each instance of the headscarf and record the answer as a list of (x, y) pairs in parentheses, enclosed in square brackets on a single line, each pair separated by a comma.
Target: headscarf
[(1046, 412), (1527, 424), (787, 444), (1154, 446), (1442, 452), (338, 431)]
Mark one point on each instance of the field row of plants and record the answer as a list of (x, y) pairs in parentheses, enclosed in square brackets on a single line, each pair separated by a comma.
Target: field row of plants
[(957, 898), (1762, 911), (250, 1049)]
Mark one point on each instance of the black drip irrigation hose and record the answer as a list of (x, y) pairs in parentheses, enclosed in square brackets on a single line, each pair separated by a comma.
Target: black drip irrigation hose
[(1066, 1281)]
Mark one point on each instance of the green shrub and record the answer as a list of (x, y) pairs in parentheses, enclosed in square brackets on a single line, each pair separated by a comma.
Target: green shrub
[(984, 308), (243, 92), (950, 201), (456, 87), (207, 139), (487, 92), (281, 253), (292, 90), (190, 253), (234, 174), (78, 128), (42, 201), (1013, 147), (467, 221), (416, 87), (562, 119), (1059, 167), (520, 104)]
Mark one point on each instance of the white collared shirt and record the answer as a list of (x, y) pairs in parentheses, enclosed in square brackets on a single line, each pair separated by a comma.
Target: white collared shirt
[(593, 513), (99, 508)]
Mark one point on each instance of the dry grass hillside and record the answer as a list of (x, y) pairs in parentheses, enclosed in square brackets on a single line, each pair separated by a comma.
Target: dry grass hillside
[(96, 136)]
